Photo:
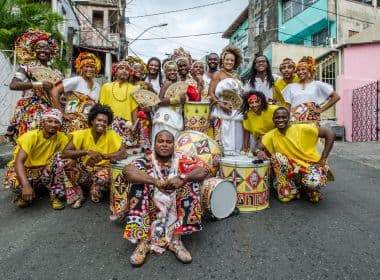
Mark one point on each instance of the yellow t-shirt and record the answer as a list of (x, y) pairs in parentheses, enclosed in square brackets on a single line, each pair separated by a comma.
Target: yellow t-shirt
[(279, 86), (258, 125), (119, 98), (109, 142), (38, 148), (299, 143)]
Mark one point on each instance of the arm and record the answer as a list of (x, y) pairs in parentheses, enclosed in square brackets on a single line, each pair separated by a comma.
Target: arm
[(260, 150), (120, 154), (54, 94), (24, 83), (246, 140), (211, 93), (70, 152), (329, 137), (334, 98), (195, 175), (134, 175), (27, 190)]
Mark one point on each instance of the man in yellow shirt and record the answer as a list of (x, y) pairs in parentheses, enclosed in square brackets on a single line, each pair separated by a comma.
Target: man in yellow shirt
[(93, 148), (33, 165), (118, 95), (296, 163), (287, 69)]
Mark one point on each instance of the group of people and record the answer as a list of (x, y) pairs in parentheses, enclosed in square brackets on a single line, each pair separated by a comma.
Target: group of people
[(70, 130)]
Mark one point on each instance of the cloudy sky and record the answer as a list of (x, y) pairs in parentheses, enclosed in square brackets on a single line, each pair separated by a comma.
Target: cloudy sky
[(215, 18)]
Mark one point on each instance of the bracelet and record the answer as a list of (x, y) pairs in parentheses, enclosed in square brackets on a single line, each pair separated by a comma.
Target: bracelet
[(37, 84), (87, 152), (257, 151)]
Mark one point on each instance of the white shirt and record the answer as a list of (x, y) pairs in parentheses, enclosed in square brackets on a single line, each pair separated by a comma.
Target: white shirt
[(78, 84), (155, 84), (315, 91), (262, 85)]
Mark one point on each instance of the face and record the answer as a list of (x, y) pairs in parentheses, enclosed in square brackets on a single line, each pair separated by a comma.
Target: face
[(153, 67), (261, 64), (100, 123), (122, 73), (229, 62), (287, 70), (183, 67), (281, 119), (255, 104), (51, 126), (43, 50), (213, 61), (171, 74), (88, 71), (303, 73), (198, 69), (138, 70), (164, 145)]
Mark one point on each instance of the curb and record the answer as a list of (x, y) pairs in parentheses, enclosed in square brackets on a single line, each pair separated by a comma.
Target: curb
[(6, 154)]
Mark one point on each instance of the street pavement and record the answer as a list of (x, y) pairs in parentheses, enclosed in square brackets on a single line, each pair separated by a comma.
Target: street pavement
[(335, 239)]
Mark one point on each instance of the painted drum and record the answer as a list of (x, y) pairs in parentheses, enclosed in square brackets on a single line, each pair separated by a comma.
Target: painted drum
[(197, 116), (202, 146), (219, 197), (251, 179)]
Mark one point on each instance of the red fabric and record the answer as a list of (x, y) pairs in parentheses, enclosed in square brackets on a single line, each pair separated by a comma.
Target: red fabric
[(193, 94), (141, 115)]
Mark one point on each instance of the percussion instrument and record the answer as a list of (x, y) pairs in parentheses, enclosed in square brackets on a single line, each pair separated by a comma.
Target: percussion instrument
[(145, 98), (176, 90), (197, 116), (202, 146), (42, 73), (251, 180), (218, 197)]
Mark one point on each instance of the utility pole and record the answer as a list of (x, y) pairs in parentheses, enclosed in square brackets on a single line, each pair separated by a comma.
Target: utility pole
[(251, 29), (123, 45), (261, 27)]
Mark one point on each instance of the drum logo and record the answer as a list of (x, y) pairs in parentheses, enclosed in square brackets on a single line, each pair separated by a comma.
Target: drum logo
[(254, 179), (202, 147)]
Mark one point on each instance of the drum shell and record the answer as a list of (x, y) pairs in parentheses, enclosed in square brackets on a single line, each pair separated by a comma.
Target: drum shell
[(251, 181), (197, 116)]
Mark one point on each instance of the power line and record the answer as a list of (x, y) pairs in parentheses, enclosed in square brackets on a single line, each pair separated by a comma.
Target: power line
[(179, 36), (181, 10)]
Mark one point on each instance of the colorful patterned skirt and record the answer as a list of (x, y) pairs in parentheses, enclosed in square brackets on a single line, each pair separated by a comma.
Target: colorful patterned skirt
[(305, 112)]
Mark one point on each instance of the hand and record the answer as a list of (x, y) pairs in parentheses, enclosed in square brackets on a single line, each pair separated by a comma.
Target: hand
[(69, 116), (321, 162), (175, 183), (226, 108), (95, 157), (47, 86), (317, 110), (27, 193), (261, 155), (162, 185), (182, 99), (199, 80)]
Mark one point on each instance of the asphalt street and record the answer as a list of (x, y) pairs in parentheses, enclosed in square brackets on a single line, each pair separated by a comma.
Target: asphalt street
[(336, 239)]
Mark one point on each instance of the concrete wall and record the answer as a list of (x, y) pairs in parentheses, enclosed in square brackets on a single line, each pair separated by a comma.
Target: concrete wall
[(65, 9)]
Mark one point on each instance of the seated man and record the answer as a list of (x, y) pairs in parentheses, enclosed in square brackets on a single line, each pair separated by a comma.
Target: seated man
[(295, 160), (164, 200), (33, 165), (93, 148)]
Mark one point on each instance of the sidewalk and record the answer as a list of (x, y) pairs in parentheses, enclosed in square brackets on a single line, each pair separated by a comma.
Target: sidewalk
[(6, 151)]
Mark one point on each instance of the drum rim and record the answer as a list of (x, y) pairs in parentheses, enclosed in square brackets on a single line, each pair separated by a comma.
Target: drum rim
[(233, 163), (198, 102)]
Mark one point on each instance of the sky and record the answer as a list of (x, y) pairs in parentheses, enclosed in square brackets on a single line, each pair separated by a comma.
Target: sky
[(215, 18)]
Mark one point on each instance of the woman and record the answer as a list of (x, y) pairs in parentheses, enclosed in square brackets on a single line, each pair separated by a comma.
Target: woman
[(81, 92), (258, 117), (304, 99), (228, 130), (196, 79), (164, 201), (154, 76), (34, 49)]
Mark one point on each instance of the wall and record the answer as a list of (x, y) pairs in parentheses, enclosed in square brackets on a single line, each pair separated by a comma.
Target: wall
[(240, 39), (65, 9)]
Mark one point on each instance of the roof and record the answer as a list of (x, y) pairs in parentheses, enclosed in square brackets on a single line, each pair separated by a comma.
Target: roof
[(367, 36), (235, 25), (112, 3)]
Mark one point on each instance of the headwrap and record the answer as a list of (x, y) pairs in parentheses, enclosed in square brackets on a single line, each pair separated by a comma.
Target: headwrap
[(25, 45), (87, 58), (170, 64), (116, 66), (253, 97), (287, 61), (308, 62), (52, 113), (133, 60), (181, 54), (197, 62)]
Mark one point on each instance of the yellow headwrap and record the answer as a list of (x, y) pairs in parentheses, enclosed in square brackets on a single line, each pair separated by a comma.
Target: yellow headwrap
[(87, 58), (308, 62)]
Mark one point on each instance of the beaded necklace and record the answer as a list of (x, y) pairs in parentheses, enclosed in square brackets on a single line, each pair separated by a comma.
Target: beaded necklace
[(115, 96)]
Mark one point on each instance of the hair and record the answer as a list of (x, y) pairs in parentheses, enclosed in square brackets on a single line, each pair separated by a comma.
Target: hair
[(159, 68), (163, 131), (252, 78), (213, 53), (232, 50), (259, 94), (281, 109), (100, 109)]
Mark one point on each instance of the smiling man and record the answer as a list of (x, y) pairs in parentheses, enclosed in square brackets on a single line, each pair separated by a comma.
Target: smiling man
[(297, 165), (287, 69), (94, 147)]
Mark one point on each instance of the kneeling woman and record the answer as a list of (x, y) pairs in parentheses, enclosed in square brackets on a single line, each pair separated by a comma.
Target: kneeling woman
[(164, 200)]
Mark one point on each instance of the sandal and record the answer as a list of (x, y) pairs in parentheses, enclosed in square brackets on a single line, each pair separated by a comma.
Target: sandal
[(181, 253), (77, 204), (96, 196), (138, 256), (20, 202)]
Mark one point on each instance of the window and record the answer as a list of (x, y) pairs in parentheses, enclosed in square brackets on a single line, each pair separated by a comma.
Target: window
[(97, 19), (367, 2), (113, 21), (320, 38), (291, 8)]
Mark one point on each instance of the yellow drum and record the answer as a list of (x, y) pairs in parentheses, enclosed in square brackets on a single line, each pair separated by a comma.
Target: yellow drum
[(218, 197), (201, 146), (251, 179), (197, 116)]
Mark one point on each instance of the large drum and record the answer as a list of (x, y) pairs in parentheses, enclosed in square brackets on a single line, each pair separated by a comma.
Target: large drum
[(201, 146), (251, 179), (119, 188), (218, 197), (197, 116)]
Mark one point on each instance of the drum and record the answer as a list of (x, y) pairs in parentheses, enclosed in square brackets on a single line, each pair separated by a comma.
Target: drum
[(251, 180), (197, 116), (201, 146), (218, 197), (119, 188)]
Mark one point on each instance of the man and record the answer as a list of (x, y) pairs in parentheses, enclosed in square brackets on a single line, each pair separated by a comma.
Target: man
[(164, 201), (118, 95), (94, 148), (212, 61), (287, 69), (295, 160), (33, 165)]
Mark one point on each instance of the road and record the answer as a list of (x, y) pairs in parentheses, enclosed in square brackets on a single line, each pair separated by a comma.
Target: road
[(336, 239)]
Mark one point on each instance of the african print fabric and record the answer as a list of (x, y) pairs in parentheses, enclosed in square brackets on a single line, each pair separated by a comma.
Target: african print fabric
[(305, 112)]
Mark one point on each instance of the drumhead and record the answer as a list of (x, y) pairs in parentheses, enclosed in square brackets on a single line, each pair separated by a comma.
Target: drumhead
[(223, 200), (242, 161)]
